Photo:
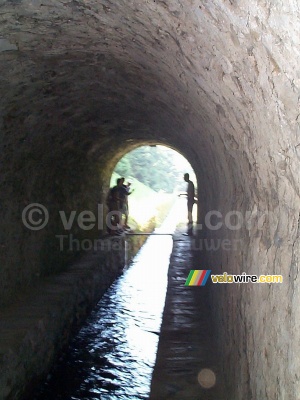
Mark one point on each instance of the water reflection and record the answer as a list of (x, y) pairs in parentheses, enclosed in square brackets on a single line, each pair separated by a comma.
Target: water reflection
[(114, 353)]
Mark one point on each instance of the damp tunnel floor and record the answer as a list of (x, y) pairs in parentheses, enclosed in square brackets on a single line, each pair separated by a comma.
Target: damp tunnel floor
[(149, 337), (188, 358)]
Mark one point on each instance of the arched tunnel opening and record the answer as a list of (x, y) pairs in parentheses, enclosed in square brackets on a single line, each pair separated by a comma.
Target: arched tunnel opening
[(153, 178), (84, 82)]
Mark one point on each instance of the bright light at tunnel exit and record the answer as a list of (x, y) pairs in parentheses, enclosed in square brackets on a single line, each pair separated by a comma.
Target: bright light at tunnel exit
[(155, 175)]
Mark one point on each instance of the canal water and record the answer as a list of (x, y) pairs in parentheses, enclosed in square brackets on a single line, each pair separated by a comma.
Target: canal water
[(113, 355)]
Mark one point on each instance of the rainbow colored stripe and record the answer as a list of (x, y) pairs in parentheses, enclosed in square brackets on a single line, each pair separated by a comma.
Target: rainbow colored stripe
[(197, 277)]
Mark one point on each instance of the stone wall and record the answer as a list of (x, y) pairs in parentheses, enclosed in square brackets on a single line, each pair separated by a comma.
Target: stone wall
[(35, 329), (82, 82)]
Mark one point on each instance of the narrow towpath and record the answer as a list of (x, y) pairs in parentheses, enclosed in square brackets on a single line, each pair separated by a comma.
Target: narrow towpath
[(187, 359)]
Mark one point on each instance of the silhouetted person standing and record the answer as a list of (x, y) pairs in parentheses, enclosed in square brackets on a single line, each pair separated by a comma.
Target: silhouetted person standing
[(190, 202), (113, 204), (124, 192)]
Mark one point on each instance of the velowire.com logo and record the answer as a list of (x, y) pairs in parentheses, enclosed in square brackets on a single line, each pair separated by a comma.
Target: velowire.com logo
[(197, 277)]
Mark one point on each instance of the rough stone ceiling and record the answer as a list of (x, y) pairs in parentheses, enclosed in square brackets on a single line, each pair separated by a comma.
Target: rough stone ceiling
[(210, 78)]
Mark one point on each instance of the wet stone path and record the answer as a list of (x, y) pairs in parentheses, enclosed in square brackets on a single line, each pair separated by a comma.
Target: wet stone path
[(115, 356), (187, 365)]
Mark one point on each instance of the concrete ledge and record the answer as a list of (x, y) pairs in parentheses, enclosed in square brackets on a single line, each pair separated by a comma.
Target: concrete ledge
[(33, 331)]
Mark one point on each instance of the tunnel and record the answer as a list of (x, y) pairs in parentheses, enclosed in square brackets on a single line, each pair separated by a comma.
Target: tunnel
[(83, 82)]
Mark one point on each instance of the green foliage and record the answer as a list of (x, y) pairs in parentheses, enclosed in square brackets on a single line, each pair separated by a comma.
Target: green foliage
[(159, 168), (124, 167)]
